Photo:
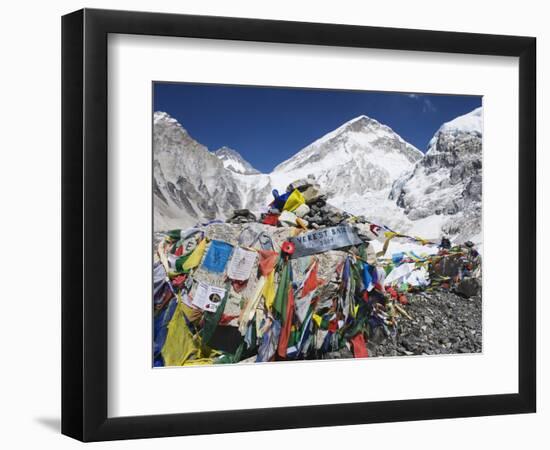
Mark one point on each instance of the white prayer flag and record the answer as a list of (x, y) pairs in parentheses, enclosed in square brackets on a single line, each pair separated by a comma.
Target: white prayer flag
[(241, 264)]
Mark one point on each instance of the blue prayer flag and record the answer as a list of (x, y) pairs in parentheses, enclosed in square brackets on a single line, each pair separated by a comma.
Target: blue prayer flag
[(217, 256)]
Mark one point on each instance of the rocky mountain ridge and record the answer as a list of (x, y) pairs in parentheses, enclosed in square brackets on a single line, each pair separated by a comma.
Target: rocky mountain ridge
[(364, 167)]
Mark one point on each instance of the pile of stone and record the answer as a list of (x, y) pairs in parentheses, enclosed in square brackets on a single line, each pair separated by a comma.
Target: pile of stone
[(442, 323), (322, 214), (314, 213)]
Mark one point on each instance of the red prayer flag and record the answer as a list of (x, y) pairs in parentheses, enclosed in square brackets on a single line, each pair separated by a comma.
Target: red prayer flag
[(312, 281), (271, 219), (359, 346), (267, 261), (285, 331), (238, 286)]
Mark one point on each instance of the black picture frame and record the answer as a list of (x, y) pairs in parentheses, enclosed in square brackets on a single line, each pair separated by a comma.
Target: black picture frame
[(84, 224)]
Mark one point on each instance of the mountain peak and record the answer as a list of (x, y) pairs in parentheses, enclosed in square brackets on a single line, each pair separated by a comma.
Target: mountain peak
[(160, 117), (469, 124), (361, 119), (232, 160), (356, 124), (363, 136)]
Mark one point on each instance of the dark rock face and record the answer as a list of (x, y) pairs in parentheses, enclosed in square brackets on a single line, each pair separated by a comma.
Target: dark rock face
[(190, 183), (448, 180), (452, 165)]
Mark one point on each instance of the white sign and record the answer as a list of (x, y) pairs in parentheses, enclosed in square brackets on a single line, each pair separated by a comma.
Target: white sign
[(208, 297), (241, 264)]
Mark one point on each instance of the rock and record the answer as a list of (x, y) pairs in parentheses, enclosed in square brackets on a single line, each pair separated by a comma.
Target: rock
[(311, 193), (469, 287), (377, 336), (447, 267), (300, 184), (343, 353), (242, 216)]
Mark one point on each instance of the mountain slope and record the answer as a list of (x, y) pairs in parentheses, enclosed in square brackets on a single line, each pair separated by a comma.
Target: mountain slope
[(447, 181), (356, 165), (189, 182)]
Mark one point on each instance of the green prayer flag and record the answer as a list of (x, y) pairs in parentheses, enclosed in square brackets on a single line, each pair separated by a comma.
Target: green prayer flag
[(211, 319), (281, 297)]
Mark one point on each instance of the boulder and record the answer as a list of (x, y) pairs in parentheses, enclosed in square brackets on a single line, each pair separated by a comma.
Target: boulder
[(448, 266), (242, 216), (469, 287)]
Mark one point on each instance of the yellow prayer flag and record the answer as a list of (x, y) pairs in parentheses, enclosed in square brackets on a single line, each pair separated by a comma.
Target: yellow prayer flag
[(195, 258), (317, 319), (180, 348), (269, 290), (294, 200)]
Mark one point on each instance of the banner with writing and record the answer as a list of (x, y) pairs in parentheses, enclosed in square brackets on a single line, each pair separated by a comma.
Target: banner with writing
[(320, 241)]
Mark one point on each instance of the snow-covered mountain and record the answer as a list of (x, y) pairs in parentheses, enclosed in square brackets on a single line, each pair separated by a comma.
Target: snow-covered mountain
[(232, 160), (190, 183), (361, 155), (363, 166), (447, 181), (356, 165)]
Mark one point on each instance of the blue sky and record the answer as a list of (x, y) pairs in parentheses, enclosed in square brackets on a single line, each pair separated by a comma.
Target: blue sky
[(268, 125)]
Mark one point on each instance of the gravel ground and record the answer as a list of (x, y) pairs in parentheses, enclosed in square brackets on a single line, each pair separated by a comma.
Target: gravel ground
[(442, 323)]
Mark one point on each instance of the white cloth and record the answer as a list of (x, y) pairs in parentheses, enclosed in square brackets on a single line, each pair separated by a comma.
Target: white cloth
[(399, 273)]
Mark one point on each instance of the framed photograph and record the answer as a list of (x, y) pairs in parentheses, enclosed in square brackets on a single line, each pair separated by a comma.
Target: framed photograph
[(273, 224)]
